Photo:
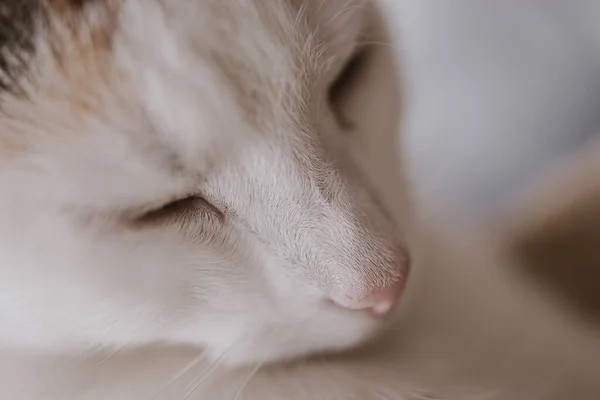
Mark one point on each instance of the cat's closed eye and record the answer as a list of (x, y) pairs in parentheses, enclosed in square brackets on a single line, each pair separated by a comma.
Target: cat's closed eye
[(182, 210), (345, 86)]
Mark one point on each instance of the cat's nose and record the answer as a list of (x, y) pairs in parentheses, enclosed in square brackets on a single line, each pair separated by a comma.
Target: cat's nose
[(378, 303)]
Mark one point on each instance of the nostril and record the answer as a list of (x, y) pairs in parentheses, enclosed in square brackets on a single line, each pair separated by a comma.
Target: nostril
[(383, 301), (378, 303)]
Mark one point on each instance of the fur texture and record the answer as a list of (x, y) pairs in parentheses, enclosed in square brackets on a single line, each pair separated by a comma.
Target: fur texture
[(180, 199), (175, 173)]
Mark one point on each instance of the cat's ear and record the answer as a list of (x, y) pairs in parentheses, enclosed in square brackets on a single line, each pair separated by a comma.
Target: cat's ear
[(556, 233)]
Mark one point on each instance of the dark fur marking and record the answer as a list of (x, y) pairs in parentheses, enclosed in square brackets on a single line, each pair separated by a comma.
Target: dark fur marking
[(17, 31)]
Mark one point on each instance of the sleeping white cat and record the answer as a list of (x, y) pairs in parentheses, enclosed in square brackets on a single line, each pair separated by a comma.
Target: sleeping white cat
[(180, 189)]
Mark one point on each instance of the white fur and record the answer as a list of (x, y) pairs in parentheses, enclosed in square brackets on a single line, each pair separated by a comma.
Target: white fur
[(93, 301), (79, 273)]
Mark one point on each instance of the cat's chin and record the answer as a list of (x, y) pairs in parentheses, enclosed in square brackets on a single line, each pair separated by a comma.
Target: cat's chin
[(265, 353), (253, 358)]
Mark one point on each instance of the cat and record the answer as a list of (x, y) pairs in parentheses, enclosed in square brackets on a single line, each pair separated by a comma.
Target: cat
[(189, 206), (175, 172)]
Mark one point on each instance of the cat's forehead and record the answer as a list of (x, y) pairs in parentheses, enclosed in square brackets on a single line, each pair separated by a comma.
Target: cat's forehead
[(264, 57), (173, 66)]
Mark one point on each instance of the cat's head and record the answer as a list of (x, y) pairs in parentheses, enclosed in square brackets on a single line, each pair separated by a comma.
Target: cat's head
[(177, 171)]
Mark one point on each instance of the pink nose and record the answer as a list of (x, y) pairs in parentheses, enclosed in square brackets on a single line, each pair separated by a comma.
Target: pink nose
[(378, 303)]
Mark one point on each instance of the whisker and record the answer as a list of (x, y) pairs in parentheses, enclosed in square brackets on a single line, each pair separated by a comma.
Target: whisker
[(405, 393), (94, 351), (365, 43), (195, 384), (354, 7), (178, 375), (301, 14), (110, 355), (247, 381)]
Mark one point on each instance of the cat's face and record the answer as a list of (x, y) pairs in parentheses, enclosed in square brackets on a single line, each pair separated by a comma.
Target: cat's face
[(177, 171)]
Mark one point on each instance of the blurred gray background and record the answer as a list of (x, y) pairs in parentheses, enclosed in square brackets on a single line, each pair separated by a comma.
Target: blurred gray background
[(497, 90)]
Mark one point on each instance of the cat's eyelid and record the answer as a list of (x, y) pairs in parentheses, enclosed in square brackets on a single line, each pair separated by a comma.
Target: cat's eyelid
[(195, 201), (141, 210)]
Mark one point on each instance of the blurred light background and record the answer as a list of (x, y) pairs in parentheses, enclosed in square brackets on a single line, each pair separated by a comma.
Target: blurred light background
[(496, 91)]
